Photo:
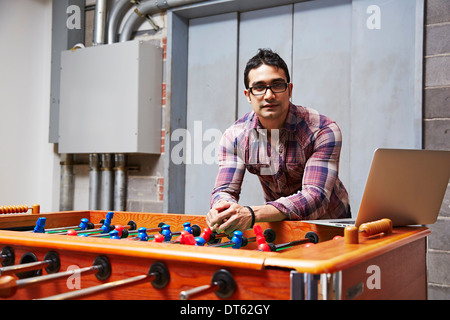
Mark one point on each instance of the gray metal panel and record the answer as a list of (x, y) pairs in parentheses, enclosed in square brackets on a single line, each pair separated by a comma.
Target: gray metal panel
[(63, 38), (211, 101), (176, 91), (386, 95), (274, 33), (111, 99), (321, 65)]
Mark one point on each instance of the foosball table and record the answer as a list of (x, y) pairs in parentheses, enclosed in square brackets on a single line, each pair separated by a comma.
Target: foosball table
[(130, 255)]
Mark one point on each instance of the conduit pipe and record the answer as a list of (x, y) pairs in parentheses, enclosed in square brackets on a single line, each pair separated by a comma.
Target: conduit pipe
[(107, 174), (148, 8), (66, 190), (94, 181), (116, 15), (107, 182), (100, 22), (120, 181)]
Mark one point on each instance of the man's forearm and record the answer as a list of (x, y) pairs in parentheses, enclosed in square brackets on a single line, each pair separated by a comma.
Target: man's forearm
[(268, 213)]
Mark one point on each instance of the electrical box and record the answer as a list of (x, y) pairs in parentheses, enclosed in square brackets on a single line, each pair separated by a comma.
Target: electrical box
[(110, 99)]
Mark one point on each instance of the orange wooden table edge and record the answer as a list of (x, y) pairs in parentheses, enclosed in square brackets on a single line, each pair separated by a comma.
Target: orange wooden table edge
[(333, 256)]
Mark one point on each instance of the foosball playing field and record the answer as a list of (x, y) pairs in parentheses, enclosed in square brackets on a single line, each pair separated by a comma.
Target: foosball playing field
[(129, 255)]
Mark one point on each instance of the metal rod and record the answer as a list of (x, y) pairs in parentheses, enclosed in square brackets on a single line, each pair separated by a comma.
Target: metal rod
[(100, 22), (65, 229), (195, 292), (96, 230), (24, 267), (100, 288), (66, 194), (291, 243), (120, 182), (50, 277), (107, 183), (94, 181)]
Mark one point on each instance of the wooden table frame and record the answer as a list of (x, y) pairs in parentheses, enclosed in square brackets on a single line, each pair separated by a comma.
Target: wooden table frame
[(330, 269)]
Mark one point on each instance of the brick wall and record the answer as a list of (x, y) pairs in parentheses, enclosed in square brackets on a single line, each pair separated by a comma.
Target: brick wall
[(436, 134)]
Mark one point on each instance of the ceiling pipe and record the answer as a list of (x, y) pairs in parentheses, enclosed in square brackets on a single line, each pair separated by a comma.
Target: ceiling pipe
[(117, 13), (100, 22), (149, 8)]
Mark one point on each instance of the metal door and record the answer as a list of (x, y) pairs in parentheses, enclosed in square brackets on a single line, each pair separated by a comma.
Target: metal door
[(358, 62)]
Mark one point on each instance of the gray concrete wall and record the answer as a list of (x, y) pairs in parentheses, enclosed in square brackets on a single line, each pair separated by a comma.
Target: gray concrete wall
[(436, 135)]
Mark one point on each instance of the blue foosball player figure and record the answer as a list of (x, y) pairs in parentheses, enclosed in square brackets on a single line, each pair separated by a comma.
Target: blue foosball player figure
[(40, 224)]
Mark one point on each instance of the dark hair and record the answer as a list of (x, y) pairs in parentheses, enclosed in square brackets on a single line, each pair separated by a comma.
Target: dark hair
[(268, 57)]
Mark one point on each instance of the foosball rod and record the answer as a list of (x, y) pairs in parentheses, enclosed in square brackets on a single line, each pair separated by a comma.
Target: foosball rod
[(195, 230), (87, 231), (268, 234), (96, 289), (236, 242), (222, 284), (76, 228), (310, 237), (129, 227), (9, 284), (61, 230), (158, 275), (51, 260), (281, 246)]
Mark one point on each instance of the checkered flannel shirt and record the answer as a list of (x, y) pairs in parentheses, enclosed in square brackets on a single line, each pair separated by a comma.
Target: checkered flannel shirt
[(298, 167)]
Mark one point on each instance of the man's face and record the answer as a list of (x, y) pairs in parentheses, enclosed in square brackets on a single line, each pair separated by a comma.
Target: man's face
[(270, 107)]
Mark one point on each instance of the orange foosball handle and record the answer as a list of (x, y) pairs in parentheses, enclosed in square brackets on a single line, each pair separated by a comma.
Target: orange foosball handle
[(351, 233), (35, 208), (372, 228)]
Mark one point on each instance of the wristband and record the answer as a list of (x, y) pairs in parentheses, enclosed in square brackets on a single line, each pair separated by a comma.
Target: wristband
[(253, 215)]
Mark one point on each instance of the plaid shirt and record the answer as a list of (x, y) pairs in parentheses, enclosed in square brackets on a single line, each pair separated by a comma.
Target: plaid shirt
[(298, 167)]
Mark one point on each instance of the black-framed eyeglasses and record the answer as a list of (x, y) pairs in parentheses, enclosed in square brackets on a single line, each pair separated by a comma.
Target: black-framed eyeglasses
[(259, 90)]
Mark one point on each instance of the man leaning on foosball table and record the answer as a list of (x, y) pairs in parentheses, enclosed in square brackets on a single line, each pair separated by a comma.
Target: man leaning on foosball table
[(292, 149)]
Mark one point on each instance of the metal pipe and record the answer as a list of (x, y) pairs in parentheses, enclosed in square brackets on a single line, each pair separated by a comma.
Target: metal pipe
[(94, 181), (120, 186), (66, 191), (100, 22), (107, 182), (149, 8), (116, 15)]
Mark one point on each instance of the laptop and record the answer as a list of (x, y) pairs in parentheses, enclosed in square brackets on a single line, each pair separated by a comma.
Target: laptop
[(405, 186)]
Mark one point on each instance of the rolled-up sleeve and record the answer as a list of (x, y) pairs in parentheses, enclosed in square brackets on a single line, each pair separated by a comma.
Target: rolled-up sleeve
[(319, 178), (231, 170)]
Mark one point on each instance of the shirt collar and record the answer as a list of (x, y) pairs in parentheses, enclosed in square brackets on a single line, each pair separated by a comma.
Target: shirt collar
[(289, 124)]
